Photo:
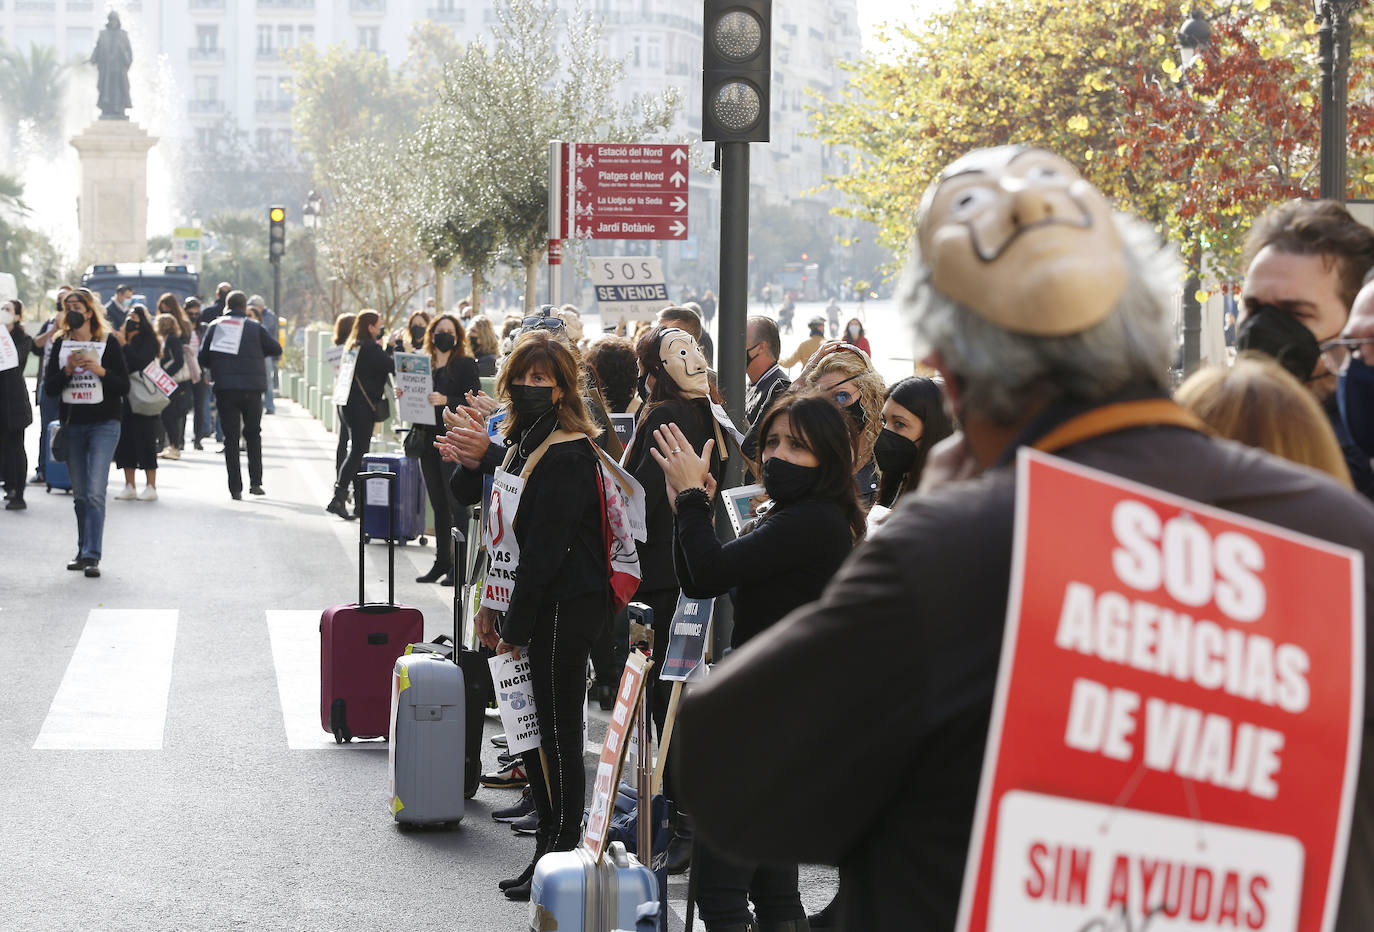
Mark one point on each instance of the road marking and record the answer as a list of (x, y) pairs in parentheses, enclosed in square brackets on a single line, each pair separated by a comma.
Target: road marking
[(295, 639), (113, 696)]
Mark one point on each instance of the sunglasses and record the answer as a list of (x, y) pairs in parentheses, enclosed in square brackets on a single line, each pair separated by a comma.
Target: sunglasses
[(541, 323)]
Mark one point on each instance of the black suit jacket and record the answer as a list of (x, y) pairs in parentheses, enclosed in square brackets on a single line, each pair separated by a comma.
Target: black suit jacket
[(758, 399)]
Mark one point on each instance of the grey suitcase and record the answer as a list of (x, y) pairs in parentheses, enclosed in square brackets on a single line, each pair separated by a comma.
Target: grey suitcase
[(428, 730), (571, 893)]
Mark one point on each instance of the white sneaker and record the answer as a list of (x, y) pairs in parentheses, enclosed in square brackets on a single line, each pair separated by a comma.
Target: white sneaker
[(149, 494), (129, 494)]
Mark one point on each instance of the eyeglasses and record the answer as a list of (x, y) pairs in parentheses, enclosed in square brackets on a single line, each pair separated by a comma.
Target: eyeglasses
[(541, 323), (1337, 353)]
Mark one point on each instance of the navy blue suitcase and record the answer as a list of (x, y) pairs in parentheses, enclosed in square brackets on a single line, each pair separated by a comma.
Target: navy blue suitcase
[(55, 474), (408, 501)]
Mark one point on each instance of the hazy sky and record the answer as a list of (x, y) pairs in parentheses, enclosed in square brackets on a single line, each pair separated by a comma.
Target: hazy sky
[(873, 12)]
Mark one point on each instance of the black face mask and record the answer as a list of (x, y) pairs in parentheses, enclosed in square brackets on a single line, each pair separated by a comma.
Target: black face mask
[(1282, 337), (444, 342), (417, 335), (857, 414), (531, 402), (75, 319), (787, 482), (643, 383), (895, 454)]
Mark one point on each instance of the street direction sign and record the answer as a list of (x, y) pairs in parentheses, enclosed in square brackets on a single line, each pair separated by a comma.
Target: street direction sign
[(186, 246), (624, 191)]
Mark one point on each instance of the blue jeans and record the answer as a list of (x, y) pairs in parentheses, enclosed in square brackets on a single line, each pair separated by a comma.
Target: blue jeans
[(48, 410), (90, 450), (268, 404)]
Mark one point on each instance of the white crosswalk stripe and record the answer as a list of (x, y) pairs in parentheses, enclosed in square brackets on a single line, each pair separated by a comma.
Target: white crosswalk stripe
[(295, 637), (113, 696)]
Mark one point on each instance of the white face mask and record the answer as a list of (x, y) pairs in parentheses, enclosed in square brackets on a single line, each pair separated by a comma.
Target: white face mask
[(6, 317), (853, 331)]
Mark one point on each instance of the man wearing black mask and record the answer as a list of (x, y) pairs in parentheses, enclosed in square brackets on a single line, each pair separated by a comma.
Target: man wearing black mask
[(767, 381), (1307, 260)]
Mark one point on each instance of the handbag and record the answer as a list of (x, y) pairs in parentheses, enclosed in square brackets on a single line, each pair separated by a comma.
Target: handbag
[(382, 409), (145, 398), (417, 441)]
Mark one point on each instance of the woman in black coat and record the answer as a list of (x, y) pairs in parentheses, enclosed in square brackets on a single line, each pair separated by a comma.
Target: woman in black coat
[(371, 369), (16, 413), (137, 448), (781, 561)]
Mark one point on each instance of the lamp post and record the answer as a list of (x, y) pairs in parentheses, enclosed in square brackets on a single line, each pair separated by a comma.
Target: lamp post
[(1193, 36), (313, 211), (1333, 58)]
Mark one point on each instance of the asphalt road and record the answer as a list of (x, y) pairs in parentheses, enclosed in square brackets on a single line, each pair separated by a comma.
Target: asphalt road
[(223, 805)]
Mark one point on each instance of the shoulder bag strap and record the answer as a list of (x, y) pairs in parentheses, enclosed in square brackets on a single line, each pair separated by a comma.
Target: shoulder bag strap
[(1148, 412)]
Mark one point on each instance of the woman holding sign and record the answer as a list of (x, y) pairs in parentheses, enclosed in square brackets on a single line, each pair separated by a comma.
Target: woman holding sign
[(547, 571), (782, 560), (137, 447), (367, 402), (90, 380), (454, 373)]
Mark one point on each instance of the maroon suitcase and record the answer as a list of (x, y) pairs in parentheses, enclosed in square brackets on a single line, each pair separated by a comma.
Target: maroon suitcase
[(359, 644)]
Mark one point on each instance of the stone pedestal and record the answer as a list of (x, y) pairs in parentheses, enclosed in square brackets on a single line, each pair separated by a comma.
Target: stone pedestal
[(114, 191)]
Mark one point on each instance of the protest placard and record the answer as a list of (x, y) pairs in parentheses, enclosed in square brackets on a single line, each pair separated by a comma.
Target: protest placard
[(9, 353), (612, 758), (84, 387), (414, 383), (515, 700), (228, 336), (687, 639), (164, 382), (343, 377), (498, 535), (1177, 718)]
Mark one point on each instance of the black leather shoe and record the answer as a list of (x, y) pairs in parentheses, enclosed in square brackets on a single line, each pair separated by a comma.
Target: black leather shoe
[(447, 580), (77, 563), (236, 496), (825, 919), (196, 445), (337, 507), (434, 573), (256, 490), (521, 891), (92, 569), (525, 877), (680, 845), (17, 504)]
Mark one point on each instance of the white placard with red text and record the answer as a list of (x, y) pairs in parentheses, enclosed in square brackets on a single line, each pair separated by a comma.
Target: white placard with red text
[(1177, 720), (9, 353), (84, 387), (164, 382)]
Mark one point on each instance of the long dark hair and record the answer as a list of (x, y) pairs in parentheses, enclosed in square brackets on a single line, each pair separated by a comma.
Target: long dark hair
[(145, 325), (819, 423), (539, 349), (924, 399), (362, 328)]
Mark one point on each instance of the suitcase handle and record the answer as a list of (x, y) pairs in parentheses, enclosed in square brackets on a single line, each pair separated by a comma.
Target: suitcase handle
[(460, 580), (359, 490)]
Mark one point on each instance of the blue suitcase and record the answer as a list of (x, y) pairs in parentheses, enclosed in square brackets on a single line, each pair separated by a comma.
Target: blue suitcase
[(55, 474), (408, 500), (571, 893)]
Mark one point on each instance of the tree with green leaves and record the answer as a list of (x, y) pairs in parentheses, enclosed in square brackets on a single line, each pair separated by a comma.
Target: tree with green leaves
[(25, 253), (345, 96), (31, 89)]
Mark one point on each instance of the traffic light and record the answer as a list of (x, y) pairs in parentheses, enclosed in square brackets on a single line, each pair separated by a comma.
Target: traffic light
[(736, 68), (276, 233)]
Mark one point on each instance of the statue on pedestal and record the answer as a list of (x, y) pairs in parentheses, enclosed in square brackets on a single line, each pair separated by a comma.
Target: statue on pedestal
[(112, 57)]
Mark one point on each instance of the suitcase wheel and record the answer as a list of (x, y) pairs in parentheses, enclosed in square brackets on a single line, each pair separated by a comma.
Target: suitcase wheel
[(366, 539), (423, 541)]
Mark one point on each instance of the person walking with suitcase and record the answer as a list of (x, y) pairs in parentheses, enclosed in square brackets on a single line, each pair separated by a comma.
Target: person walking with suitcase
[(87, 374), (546, 547), (234, 349), (454, 372), (782, 560), (366, 405)]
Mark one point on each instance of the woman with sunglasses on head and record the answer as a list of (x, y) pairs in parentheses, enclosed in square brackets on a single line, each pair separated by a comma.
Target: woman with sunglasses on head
[(781, 560), (365, 397), (914, 421), (137, 447), (845, 373), (559, 587), (88, 375)]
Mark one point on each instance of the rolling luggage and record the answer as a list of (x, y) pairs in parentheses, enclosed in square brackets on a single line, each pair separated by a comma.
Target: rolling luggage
[(433, 736), (407, 501), (359, 644), (55, 474)]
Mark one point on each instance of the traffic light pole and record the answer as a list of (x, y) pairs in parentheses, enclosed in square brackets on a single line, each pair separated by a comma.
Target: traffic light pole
[(276, 290)]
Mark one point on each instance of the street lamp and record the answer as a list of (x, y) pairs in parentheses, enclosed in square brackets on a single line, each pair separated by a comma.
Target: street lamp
[(313, 211), (1333, 58), (1193, 36)]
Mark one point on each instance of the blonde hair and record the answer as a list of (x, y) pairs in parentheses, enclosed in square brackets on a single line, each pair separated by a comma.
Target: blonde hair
[(100, 327), (482, 336), (1258, 403), (166, 325), (870, 385)]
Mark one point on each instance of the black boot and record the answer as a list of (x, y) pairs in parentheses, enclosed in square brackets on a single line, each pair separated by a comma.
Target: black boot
[(827, 918), (337, 507), (785, 925), (680, 844), (518, 888), (435, 571)]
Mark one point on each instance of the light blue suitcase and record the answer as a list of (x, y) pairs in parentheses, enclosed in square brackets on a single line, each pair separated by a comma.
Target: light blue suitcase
[(427, 740), (572, 893)]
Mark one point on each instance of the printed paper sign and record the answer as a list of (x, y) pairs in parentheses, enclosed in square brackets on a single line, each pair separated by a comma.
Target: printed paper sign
[(723, 419), (498, 534), (415, 383), (343, 377), (164, 382), (629, 288), (687, 638), (612, 758), (1177, 718), (379, 490), (515, 699), (624, 427), (632, 495), (333, 355), (228, 336), (742, 504), (84, 387), (9, 353)]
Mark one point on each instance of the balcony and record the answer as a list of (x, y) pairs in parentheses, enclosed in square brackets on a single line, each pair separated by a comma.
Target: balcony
[(286, 4), (446, 14), (198, 54), (367, 6), (205, 106), (35, 6), (207, 4), (283, 105), (80, 6), (267, 54)]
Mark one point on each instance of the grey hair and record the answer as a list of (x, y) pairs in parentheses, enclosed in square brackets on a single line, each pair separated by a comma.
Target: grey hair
[(1002, 372)]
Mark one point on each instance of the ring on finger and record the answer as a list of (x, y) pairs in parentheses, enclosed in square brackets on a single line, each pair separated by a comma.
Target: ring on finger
[(677, 449)]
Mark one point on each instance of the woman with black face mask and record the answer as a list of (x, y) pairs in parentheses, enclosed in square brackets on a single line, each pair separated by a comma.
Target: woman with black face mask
[(914, 420), (137, 447), (782, 560), (551, 597), (454, 372)]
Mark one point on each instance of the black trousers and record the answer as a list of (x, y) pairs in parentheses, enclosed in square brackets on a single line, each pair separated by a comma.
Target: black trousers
[(137, 448), (341, 450), (200, 409), (558, 655), (725, 887), (174, 415), (240, 414), (14, 461), (359, 421), (436, 474)]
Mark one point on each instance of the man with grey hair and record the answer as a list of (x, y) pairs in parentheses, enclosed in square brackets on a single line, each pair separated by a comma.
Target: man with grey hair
[(1047, 316)]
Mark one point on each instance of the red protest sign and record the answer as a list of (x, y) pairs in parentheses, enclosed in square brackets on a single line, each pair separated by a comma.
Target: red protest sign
[(624, 191), (627, 702), (1176, 725)]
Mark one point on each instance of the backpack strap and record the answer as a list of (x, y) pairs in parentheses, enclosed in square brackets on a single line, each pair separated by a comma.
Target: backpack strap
[(1123, 415)]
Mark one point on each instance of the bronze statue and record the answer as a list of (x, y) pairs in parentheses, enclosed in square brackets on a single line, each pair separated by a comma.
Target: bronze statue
[(112, 57)]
